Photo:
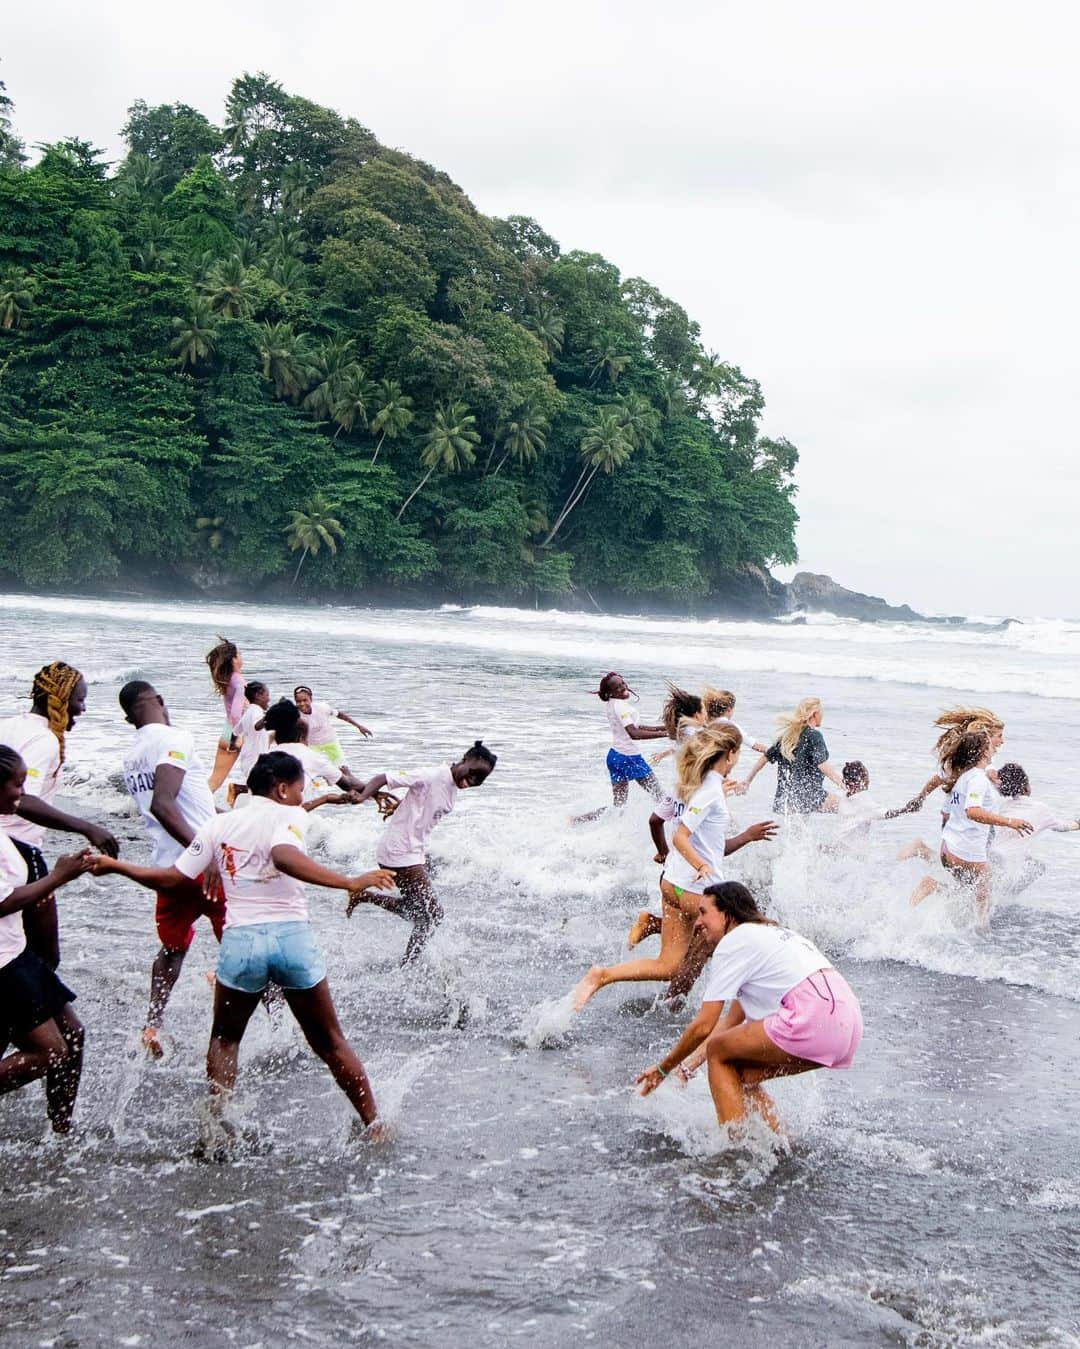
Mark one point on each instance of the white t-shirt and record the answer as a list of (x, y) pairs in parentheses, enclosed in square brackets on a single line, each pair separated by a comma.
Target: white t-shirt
[(29, 735), (153, 745), (12, 874), (320, 775), (758, 964), (320, 722), (747, 740), (707, 817), (255, 742), (622, 713), (241, 843), (857, 813), (964, 838), (432, 793), (1009, 844)]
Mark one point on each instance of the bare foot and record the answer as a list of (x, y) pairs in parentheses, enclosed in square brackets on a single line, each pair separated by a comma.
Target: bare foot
[(646, 924), (925, 888), (152, 1043), (356, 897), (211, 978), (584, 990)]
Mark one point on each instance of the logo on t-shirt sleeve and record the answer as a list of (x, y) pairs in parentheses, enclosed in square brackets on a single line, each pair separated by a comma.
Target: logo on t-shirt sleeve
[(293, 830), (177, 754)]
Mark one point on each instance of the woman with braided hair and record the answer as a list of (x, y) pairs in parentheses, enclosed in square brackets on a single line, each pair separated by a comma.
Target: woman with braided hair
[(38, 737)]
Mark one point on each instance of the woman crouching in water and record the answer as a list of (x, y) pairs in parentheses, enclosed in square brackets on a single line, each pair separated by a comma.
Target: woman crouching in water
[(792, 1012)]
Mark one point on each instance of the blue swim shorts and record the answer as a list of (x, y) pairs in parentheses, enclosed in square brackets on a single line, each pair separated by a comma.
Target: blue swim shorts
[(626, 767), (257, 954)]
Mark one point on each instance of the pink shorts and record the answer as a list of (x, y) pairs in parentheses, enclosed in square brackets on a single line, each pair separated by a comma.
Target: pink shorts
[(819, 1020)]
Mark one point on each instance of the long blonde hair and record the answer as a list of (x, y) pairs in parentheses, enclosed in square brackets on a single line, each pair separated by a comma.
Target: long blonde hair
[(792, 725), (956, 722), (699, 756)]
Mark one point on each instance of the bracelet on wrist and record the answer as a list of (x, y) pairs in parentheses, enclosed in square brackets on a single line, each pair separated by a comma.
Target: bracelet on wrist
[(660, 1071)]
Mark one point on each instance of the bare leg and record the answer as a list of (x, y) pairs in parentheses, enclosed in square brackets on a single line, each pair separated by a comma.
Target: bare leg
[(37, 1053), (646, 924), (743, 1057), (163, 976), (923, 890), (232, 1012), (917, 848), (223, 762), (693, 962), (619, 793), (41, 923), (674, 939), (315, 1012), (416, 901), (652, 786), (62, 1079)]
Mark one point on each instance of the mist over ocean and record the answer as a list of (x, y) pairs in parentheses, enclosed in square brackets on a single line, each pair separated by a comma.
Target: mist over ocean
[(930, 1196)]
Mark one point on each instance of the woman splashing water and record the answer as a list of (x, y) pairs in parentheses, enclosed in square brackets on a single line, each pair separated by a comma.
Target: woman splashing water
[(624, 761), (791, 1010)]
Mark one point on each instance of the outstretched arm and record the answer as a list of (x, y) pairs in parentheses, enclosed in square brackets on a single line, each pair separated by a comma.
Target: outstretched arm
[(153, 878), (759, 764), (646, 732), (830, 772), (368, 789), (344, 716), (755, 833), (656, 829), (294, 862), (916, 801), (695, 1034), (66, 869), (35, 810)]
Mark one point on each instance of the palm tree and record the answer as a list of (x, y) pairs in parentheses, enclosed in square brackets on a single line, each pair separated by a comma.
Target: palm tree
[(16, 297), (448, 445), (708, 375), (286, 359), (547, 327), (350, 409), (525, 438), (394, 413), (639, 419), (310, 528), (295, 185), (333, 366), (609, 361), (290, 274), (196, 335), (605, 445), (228, 288)]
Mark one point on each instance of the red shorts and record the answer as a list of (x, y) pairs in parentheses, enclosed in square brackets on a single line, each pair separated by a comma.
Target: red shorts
[(177, 911)]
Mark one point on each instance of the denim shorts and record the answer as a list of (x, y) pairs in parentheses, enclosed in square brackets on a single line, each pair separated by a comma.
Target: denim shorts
[(257, 954)]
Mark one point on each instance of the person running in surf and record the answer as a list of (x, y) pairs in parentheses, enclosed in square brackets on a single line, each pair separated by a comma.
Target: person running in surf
[(289, 730), (253, 735), (35, 1005), (624, 761), (39, 737), (791, 1010), (802, 763), (261, 855), (700, 842), (168, 783), (430, 794), (1009, 853), (320, 718), (226, 663)]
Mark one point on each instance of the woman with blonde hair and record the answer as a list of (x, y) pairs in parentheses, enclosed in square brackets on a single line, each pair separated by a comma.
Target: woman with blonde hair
[(699, 839), (802, 762)]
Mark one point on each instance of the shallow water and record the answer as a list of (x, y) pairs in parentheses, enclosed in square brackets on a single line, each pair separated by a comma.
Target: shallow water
[(930, 1196)]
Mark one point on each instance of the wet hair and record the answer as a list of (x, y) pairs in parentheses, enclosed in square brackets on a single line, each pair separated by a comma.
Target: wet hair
[(130, 694), (303, 688), (736, 902), (10, 763), (53, 686), (699, 755), (607, 685), (855, 775), (480, 753), (252, 690), (970, 748), (1013, 781), (220, 660), (957, 722), (718, 702), (270, 769), (793, 724), (285, 721), (679, 707)]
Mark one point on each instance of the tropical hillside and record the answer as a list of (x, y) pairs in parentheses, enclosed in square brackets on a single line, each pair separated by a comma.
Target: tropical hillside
[(278, 353)]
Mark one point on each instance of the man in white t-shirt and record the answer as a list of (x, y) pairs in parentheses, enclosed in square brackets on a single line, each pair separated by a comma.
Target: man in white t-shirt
[(169, 784)]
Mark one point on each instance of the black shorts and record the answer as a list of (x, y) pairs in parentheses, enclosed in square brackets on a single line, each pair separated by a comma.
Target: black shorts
[(30, 993)]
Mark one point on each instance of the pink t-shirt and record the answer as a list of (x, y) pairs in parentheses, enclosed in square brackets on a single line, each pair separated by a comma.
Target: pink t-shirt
[(241, 843), (235, 700), (431, 794), (12, 875)]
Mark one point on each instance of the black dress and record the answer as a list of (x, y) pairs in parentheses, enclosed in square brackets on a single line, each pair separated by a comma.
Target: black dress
[(800, 787)]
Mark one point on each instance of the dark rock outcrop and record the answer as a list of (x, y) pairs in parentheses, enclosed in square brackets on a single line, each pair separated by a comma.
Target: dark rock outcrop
[(822, 594)]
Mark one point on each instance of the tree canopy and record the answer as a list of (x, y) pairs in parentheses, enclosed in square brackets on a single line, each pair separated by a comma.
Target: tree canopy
[(278, 335)]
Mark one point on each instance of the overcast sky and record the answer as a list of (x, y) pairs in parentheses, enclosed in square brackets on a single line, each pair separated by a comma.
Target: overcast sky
[(871, 208)]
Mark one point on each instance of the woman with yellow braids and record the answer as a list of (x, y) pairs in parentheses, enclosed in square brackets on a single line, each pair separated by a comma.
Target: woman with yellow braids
[(38, 737)]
